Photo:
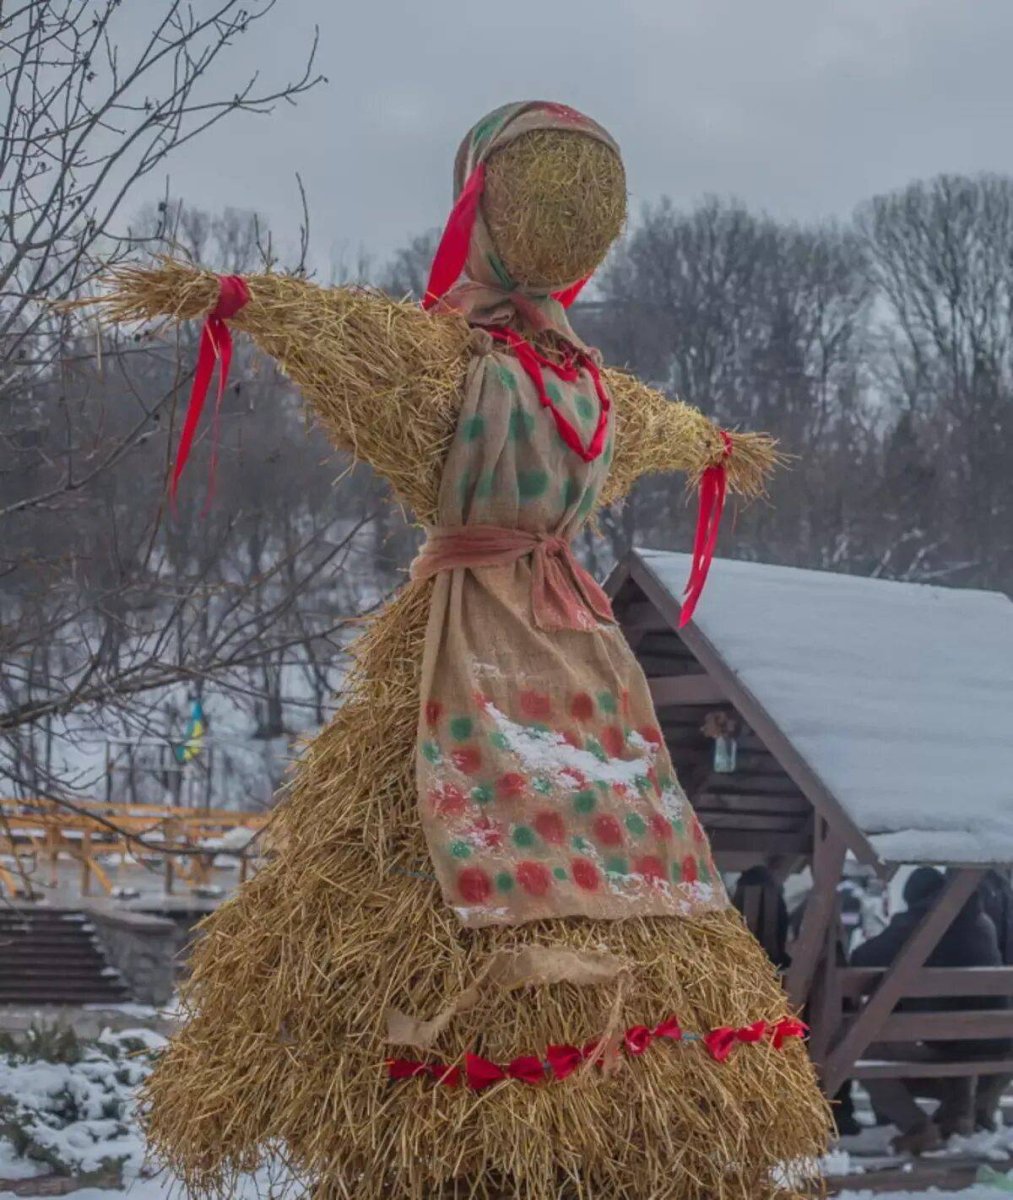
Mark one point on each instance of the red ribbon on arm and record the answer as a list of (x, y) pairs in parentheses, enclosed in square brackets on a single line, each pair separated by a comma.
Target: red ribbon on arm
[(713, 488), (452, 252), (719, 1042), (787, 1027), (215, 343)]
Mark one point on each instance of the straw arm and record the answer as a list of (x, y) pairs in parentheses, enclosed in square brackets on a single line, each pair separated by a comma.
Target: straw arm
[(384, 377), (655, 434)]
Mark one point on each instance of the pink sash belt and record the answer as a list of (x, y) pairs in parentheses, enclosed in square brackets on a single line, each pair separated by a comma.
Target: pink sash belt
[(563, 594)]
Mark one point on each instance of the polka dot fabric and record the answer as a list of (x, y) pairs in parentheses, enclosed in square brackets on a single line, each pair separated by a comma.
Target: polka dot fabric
[(545, 786)]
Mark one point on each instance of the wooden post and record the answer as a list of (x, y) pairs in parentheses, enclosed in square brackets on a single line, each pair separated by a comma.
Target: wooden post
[(959, 886), (169, 872), (86, 863), (827, 864)]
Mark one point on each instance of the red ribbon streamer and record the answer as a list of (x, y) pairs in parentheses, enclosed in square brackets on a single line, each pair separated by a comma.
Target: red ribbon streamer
[(568, 370), (452, 252), (215, 344), (713, 488), (720, 1042)]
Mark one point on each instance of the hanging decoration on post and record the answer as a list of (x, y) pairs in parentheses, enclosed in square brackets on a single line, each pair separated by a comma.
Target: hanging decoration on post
[(723, 729)]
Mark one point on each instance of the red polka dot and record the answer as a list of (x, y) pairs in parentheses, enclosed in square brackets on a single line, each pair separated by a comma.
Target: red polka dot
[(467, 759), (697, 829), (650, 866), (447, 800), (574, 777), (533, 878), (607, 830), (482, 701), (621, 789), (660, 827), (511, 785), (613, 741), (582, 707), (652, 775), (434, 710), (486, 833), (624, 702), (573, 738), (474, 885), (585, 874), (689, 871), (652, 734), (551, 827), (536, 706)]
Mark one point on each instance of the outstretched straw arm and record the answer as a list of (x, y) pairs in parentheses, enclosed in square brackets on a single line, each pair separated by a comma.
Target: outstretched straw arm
[(655, 434), (384, 377)]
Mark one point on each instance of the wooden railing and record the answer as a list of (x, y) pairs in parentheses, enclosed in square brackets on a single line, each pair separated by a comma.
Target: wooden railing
[(900, 1030), (174, 840)]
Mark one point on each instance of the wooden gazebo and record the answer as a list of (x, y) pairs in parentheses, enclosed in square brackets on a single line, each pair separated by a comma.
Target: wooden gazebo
[(811, 715)]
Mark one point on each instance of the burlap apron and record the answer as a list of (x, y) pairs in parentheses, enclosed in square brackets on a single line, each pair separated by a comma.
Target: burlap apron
[(545, 786)]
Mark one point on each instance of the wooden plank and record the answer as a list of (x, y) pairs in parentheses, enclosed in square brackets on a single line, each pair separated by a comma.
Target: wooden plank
[(933, 981), (828, 862), (768, 822), (758, 845), (881, 1068), (712, 801), (923, 940), (972, 1024), (685, 689)]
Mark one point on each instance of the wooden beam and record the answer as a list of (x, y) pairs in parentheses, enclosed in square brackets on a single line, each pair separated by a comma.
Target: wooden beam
[(970, 1024), (933, 981), (882, 1068), (759, 845), (685, 689), (828, 862), (866, 1028)]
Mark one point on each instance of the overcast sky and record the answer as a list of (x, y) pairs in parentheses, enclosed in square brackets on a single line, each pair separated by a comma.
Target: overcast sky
[(799, 107)]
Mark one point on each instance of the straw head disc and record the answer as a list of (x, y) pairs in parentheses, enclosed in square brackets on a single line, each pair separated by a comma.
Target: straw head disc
[(554, 202)]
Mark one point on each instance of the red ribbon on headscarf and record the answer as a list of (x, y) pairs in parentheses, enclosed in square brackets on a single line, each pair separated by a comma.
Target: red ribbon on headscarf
[(719, 1042), (215, 344), (713, 488)]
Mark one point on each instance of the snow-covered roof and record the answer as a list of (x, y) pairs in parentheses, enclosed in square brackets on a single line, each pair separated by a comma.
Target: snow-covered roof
[(897, 696)]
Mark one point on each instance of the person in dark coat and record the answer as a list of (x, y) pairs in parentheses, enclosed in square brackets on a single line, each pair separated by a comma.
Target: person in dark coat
[(970, 941), (760, 899)]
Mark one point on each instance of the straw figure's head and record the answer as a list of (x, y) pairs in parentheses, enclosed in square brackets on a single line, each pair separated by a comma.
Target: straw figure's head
[(540, 197)]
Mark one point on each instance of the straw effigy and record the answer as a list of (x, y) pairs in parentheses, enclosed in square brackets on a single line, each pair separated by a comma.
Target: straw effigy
[(283, 1046)]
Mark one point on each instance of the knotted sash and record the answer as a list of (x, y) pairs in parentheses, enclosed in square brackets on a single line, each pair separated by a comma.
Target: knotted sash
[(563, 594)]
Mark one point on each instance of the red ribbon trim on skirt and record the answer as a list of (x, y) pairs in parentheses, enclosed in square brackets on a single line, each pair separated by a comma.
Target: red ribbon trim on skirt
[(560, 1061)]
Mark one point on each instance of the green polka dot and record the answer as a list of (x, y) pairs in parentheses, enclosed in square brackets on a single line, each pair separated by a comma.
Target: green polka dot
[(597, 749), (506, 376), (523, 836), (542, 786), (532, 484), (607, 702), (553, 392), (499, 740), (500, 271), (703, 874), (665, 781), (677, 872), (505, 881), (602, 785), (571, 492), (643, 784), (461, 728), (483, 794), (473, 428), (635, 824), (431, 752), (579, 843), (678, 826), (584, 407), (522, 424), (587, 503), (460, 850), (559, 872), (483, 488), (538, 727), (617, 866), (584, 802)]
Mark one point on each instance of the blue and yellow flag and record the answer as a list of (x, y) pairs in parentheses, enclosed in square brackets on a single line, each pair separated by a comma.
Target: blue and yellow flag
[(194, 737)]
